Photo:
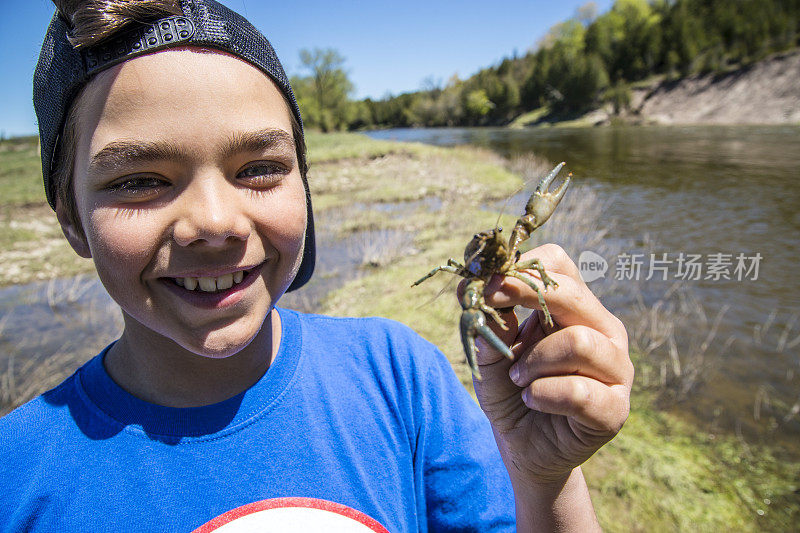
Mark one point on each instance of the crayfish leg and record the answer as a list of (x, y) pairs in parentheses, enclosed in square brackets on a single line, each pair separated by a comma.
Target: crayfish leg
[(537, 265), (444, 268), (492, 312), (539, 292)]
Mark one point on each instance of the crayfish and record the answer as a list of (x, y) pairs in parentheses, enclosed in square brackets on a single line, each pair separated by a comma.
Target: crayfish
[(488, 254)]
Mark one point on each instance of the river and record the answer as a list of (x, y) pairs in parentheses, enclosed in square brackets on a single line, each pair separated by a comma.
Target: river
[(730, 195)]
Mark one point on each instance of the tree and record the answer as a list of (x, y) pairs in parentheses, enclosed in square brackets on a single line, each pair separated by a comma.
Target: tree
[(324, 95), (586, 14), (574, 79), (477, 104)]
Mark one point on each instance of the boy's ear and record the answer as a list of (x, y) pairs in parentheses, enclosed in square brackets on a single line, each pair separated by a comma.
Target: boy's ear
[(74, 235)]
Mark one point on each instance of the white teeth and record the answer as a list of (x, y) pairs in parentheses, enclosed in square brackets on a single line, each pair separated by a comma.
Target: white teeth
[(207, 284), (225, 282)]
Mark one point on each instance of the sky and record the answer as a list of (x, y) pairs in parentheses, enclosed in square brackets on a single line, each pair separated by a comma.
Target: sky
[(389, 47)]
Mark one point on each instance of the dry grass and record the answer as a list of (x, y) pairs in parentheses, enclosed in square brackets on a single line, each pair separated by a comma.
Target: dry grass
[(75, 326), (654, 330), (378, 248), (783, 341), (31, 244)]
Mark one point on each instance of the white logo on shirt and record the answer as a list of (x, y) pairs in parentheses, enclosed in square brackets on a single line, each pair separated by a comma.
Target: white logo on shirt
[(293, 515)]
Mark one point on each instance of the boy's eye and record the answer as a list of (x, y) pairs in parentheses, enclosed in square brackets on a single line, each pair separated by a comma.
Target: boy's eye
[(263, 174), (137, 185)]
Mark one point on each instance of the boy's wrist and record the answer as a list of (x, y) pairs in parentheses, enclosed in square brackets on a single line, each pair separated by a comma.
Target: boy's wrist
[(554, 505)]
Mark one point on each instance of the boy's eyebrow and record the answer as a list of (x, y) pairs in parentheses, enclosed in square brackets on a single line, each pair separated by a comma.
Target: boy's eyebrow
[(259, 141), (119, 154)]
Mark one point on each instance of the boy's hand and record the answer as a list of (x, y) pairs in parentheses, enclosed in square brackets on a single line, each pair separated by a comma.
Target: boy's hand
[(567, 392)]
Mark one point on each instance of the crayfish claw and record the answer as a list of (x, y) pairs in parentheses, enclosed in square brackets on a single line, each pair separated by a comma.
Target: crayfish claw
[(559, 192), (490, 337), (473, 323), (468, 340), (545, 183), (541, 205)]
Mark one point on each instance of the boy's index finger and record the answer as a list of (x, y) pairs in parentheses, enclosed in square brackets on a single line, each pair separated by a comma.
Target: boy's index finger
[(570, 304)]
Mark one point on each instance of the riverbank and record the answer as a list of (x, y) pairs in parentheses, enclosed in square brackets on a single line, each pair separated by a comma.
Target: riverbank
[(412, 206), (765, 92)]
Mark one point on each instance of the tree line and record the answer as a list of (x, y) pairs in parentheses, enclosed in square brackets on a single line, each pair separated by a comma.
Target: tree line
[(583, 62)]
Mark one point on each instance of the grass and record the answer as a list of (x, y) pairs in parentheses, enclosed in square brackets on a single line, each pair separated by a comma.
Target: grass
[(20, 172), (31, 244), (659, 474), (542, 117), (331, 147), (529, 117), (380, 172)]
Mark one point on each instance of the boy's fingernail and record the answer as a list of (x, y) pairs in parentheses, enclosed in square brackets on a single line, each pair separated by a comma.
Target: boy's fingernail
[(528, 399), (526, 396), (514, 373)]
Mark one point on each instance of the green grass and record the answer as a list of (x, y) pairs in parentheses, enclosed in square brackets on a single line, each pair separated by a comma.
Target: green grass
[(20, 173), (328, 147), (529, 117), (384, 172), (31, 244), (660, 474)]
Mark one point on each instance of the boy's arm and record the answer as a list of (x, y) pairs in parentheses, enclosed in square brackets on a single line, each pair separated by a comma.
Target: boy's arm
[(565, 394)]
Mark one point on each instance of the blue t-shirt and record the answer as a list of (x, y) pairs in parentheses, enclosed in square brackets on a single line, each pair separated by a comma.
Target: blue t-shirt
[(359, 412)]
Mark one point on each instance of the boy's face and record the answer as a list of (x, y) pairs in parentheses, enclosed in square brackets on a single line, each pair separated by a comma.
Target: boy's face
[(186, 174)]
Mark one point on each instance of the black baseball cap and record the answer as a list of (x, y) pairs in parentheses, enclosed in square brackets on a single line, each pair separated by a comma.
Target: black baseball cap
[(62, 71)]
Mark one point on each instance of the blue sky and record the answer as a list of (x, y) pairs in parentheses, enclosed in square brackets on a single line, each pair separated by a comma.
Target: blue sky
[(390, 47)]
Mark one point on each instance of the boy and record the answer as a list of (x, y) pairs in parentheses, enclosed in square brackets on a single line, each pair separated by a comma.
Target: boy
[(173, 156)]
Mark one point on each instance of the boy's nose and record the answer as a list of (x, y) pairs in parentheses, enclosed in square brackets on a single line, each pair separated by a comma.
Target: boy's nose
[(210, 212)]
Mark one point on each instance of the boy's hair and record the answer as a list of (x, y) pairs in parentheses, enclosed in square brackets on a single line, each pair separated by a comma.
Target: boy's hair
[(93, 20), (87, 36)]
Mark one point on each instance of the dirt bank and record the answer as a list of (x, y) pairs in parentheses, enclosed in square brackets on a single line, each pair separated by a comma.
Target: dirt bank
[(767, 92)]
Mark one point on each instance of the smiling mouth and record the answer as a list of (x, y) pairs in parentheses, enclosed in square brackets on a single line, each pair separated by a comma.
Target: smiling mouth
[(212, 284)]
